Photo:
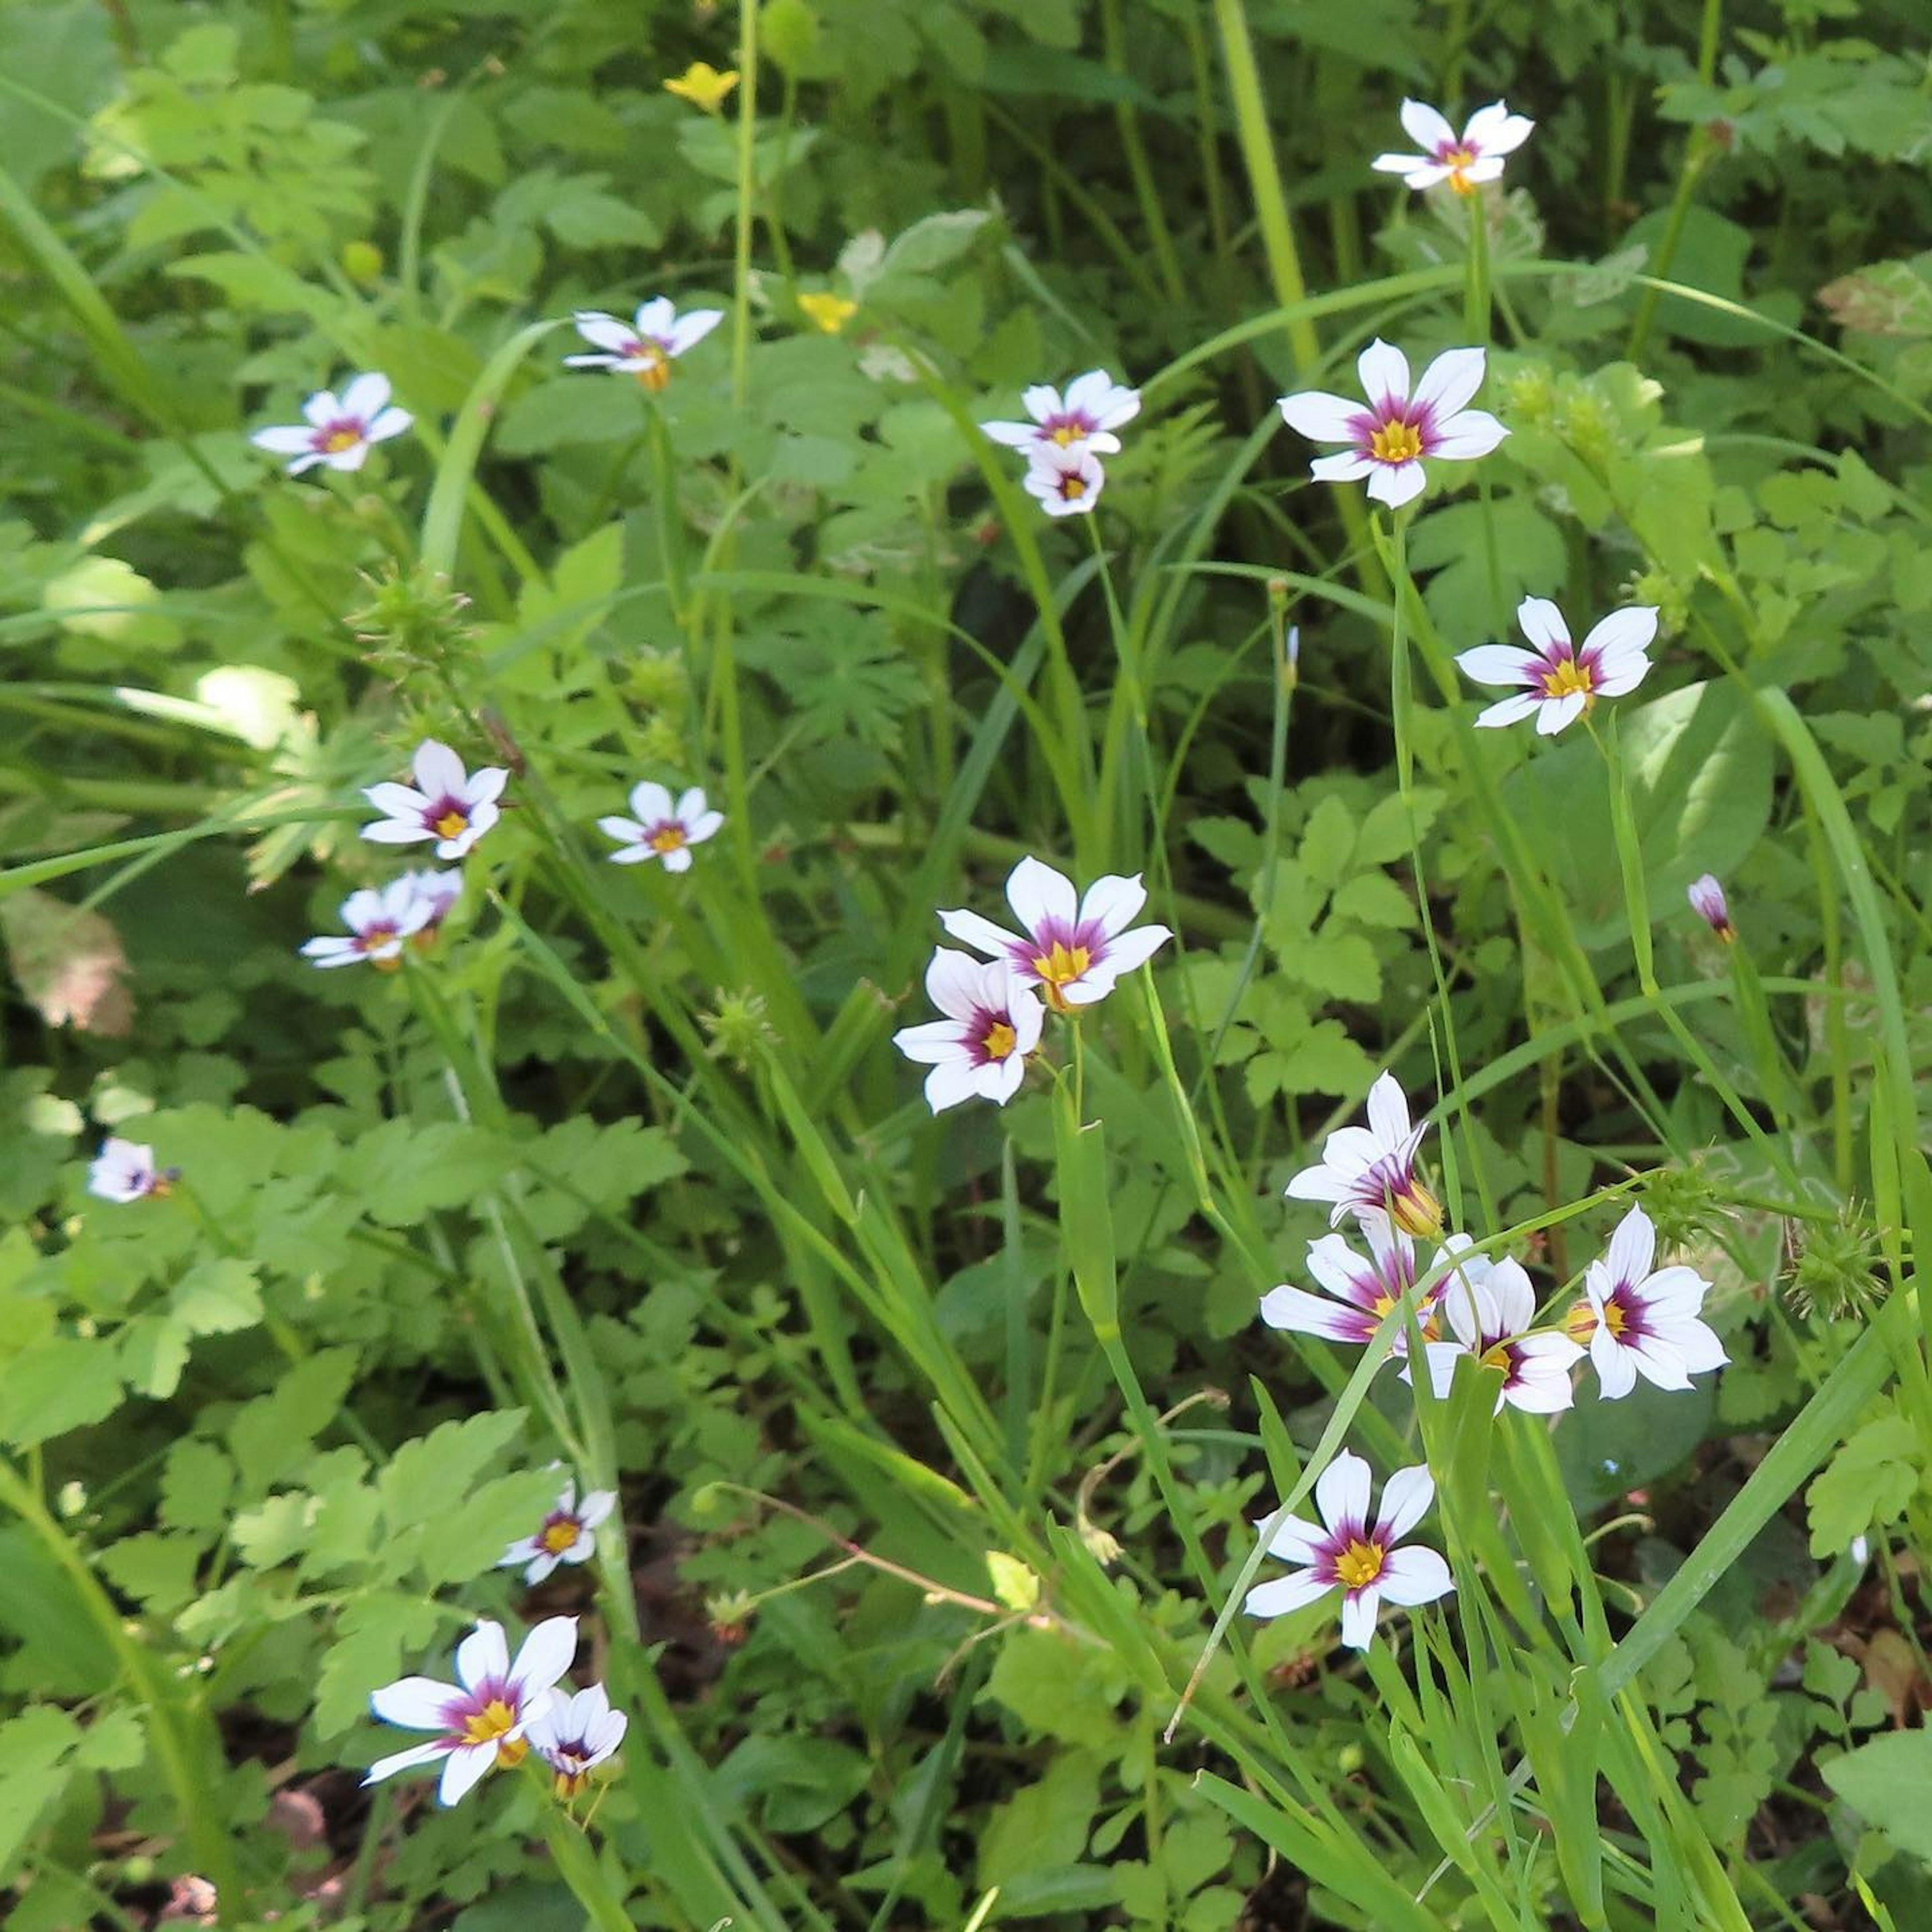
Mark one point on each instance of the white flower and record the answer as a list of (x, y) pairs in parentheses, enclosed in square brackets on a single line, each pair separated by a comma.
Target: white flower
[(1093, 408), (569, 1534), (338, 432), (447, 804), (378, 921), (1462, 159), (1639, 1321), (1360, 1291), (577, 1734), (438, 892), (1389, 438), (1072, 950), (482, 1718), (1346, 1550), (1067, 482), (992, 1023), (1371, 1170), (1489, 1306), (1564, 682), (124, 1170), (1707, 901), (660, 830), (646, 347)]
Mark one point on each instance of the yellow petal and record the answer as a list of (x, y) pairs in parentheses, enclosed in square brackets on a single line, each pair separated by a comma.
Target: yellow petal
[(702, 85)]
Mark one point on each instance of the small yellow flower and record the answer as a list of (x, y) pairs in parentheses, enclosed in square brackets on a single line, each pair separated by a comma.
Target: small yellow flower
[(702, 85), (831, 313)]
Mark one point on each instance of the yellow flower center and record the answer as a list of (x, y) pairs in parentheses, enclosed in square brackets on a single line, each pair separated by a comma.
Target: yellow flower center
[(1063, 963), (1360, 1564), (1459, 161), (667, 838), (1072, 486), (344, 436), (1496, 1358), (1396, 442), (492, 1721), (1001, 1040), (1065, 434), (1573, 678), (377, 937), (451, 824), (558, 1536), (830, 312)]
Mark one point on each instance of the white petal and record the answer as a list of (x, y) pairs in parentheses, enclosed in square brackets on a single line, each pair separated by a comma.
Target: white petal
[(678, 859), (1399, 164), (650, 802), (1133, 950), (605, 331), (1616, 1372), (934, 1043), (690, 803), (466, 1766), (1494, 130), (1383, 370), (980, 933), (704, 825), (595, 1506), (1406, 1497), (548, 1652), (1543, 624), (1397, 484), (388, 423), (365, 397), (1525, 704), (402, 1760), (1276, 1599), (1026, 1016), (1426, 128), (1115, 901), (1318, 1183), (1450, 381), (1295, 1309), (1623, 676), (288, 442), (1553, 714), (655, 318), (1633, 628), (322, 408), (1359, 1608), (1515, 1299), (1321, 417), (1696, 1344), (485, 786), (1038, 894), (956, 983), (1632, 1248), (1342, 1492), (415, 1703), (626, 831), (690, 330), (1413, 1576), (1501, 663), (1011, 435), (1658, 1364), (1347, 466), (1388, 1111), (950, 1083), (438, 771), (1463, 437), (482, 1655)]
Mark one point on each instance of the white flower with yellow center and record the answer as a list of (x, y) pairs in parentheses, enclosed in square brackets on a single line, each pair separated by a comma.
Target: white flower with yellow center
[(453, 807), (124, 1171), (1640, 1321), (1085, 417), (979, 1049), (379, 923), (480, 1720), (336, 432), (1371, 1171), (1349, 1551), (1065, 482), (1563, 680), (1074, 948), (576, 1734), (1398, 429), (645, 347), (1362, 1292), (1489, 1306), (1464, 161), (569, 1534), (659, 828)]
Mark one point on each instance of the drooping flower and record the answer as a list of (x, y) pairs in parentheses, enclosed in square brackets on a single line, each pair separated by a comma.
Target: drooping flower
[(1085, 417), (569, 1534), (992, 1023), (1563, 681), (1066, 482), (1073, 950), (1360, 1291), (124, 1170), (1347, 1551), (447, 804), (482, 1719), (1639, 1321), (1489, 1306), (660, 830), (646, 347), (338, 432), (1391, 436), (1371, 1170), (379, 923), (437, 893), (1707, 901), (702, 85), (826, 310), (576, 1734), (1464, 160)]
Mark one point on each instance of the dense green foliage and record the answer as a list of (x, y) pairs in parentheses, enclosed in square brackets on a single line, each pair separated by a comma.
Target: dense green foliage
[(623, 1170)]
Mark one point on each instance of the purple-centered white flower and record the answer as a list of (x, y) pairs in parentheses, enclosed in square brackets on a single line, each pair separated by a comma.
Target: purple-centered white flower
[(1065, 482), (979, 1049), (480, 1719), (1349, 1552), (576, 1734), (124, 1170), (645, 347), (1464, 160), (337, 431), (1074, 949), (378, 924), (1489, 1306), (453, 807), (659, 828), (1371, 1171), (1085, 417), (1396, 430), (437, 893), (1707, 901), (569, 1534), (1360, 1290), (1563, 680), (1639, 1321)]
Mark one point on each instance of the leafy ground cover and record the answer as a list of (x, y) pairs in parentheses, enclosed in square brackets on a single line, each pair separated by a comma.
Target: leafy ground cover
[(969, 965)]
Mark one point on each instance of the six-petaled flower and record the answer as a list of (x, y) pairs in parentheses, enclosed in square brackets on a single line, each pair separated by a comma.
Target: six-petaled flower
[(1562, 680), (125, 1171), (379, 922), (647, 347), (1464, 161), (1398, 429), (1371, 1170), (576, 1734), (1707, 901), (1361, 1290), (1066, 482), (482, 1719), (1074, 948), (1489, 1307), (660, 828), (338, 432), (1349, 1551), (453, 807), (1641, 1321), (1085, 417), (992, 1022), (569, 1534)]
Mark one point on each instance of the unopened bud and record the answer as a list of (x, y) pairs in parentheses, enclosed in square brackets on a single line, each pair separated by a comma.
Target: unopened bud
[(1707, 900)]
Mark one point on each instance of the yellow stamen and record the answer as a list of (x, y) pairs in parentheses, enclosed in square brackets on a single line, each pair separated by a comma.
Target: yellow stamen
[(666, 839), (1615, 1319), (558, 1536), (1396, 442), (511, 1752), (1001, 1040), (1360, 1564), (1459, 161), (451, 824), (1496, 1358), (1056, 968), (492, 1721), (1072, 486), (1573, 678), (1065, 434), (345, 435), (655, 372)]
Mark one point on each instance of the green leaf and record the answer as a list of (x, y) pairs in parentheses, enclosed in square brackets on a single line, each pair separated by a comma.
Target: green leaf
[(271, 1435), (1870, 1480), (55, 1386), (378, 1628), (218, 1297), (429, 1478), (461, 1543), (1888, 1783)]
